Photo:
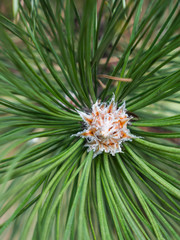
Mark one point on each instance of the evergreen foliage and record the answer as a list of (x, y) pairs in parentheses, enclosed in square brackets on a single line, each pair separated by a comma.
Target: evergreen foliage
[(50, 62)]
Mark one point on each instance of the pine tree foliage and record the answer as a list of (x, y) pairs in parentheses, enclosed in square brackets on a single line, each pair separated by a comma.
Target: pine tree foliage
[(50, 62)]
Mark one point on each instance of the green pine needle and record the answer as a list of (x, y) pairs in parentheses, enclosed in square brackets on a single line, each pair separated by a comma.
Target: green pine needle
[(50, 61)]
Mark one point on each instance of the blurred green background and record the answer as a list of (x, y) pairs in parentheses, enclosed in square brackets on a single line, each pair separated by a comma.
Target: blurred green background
[(6, 7)]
